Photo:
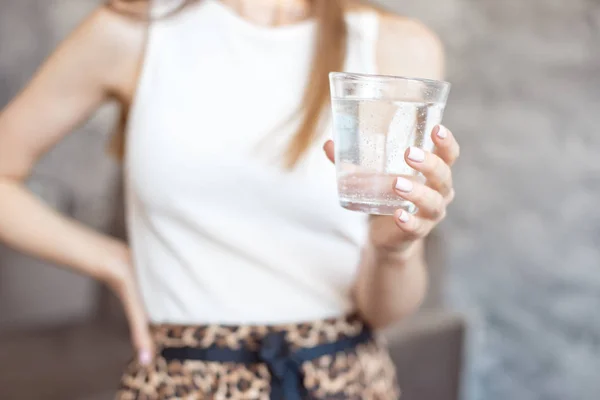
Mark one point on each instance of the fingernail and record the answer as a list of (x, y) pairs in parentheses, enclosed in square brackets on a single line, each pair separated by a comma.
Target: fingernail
[(442, 132), (404, 185), (415, 154), (403, 216), (145, 357)]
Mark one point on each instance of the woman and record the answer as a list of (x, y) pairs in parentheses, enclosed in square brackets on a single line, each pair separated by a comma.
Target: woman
[(253, 282)]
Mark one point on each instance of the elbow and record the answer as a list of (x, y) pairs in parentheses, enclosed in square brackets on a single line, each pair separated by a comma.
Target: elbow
[(382, 319)]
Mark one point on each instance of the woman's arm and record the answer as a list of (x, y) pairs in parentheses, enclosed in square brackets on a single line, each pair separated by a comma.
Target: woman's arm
[(392, 279), (390, 285), (92, 65)]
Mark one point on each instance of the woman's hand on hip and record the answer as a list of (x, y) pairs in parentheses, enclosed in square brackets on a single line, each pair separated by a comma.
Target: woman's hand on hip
[(396, 235), (120, 277)]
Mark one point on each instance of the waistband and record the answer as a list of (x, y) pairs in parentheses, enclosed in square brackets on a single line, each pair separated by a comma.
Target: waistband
[(283, 348), (297, 335)]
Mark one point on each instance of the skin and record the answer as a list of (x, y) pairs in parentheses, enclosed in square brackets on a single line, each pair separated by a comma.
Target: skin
[(99, 62)]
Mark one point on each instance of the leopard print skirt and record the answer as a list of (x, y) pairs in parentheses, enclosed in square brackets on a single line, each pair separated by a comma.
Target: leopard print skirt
[(328, 359)]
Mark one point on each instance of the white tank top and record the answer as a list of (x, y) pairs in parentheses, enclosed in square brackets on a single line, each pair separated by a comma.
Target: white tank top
[(220, 232)]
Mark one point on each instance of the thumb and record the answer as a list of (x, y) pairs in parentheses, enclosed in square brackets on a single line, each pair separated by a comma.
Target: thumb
[(329, 150)]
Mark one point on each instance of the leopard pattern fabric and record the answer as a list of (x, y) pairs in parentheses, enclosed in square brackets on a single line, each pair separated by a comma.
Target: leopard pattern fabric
[(365, 372)]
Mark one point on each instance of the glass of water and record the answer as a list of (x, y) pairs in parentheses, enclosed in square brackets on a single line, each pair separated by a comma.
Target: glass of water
[(375, 119)]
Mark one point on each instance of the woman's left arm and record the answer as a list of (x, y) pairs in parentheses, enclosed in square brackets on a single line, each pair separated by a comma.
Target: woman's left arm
[(392, 278)]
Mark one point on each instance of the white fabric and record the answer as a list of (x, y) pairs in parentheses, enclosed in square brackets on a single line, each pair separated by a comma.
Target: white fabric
[(220, 233)]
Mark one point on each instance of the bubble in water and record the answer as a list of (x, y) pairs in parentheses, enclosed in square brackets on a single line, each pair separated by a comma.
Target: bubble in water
[(372, 149)]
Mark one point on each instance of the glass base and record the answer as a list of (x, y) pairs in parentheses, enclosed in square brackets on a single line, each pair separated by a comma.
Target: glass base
[(376, 208)]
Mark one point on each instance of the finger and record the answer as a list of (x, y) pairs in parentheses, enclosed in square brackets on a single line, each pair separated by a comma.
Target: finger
[(450, 197), (329, 150), (138, 322), (138, 325), (437, 173), (411, 225), (446, 146), (431, 203)]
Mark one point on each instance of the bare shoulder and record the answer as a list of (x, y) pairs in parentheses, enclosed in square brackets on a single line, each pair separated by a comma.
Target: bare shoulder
[(107, 26), (97, 61), (406, 46), (109, 43)]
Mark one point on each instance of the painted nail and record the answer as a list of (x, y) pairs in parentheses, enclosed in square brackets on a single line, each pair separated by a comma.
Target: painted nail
[(415, 154), (442, 132), (145, 357), (404, 185), (403, 216)]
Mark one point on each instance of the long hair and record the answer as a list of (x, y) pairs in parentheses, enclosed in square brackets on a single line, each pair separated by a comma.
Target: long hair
[(328, 55)]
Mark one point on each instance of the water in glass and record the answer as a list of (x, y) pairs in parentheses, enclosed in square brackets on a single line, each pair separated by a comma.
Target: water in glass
[(371, 137)]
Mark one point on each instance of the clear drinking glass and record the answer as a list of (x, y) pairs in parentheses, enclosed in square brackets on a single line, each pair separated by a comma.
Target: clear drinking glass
[(375, 119)]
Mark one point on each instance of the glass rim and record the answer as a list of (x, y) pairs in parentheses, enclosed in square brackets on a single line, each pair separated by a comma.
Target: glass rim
[(386, 78)]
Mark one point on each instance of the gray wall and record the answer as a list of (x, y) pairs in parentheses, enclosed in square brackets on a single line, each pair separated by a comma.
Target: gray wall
[(29, 30), (523, 234)]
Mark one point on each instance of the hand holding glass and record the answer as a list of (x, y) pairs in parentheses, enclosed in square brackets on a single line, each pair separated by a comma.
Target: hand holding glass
[(375, 119)]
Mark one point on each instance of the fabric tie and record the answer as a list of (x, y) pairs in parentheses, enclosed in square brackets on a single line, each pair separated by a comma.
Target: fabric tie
[(284, 365), (285, 369)]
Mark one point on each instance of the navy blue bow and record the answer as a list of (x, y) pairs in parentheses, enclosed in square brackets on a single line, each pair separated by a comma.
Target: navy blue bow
[(284, 367)]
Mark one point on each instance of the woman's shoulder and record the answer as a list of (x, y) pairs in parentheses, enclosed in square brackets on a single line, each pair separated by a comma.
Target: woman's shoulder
[(108, 33), (125, 23), (406, 46), (108, 45)]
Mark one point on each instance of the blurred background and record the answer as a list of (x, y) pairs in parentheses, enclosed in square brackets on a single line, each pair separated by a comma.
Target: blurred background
[(513, 311)]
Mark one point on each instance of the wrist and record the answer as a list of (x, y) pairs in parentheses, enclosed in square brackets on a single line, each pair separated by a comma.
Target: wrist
[(115, 264), (397, 255)]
